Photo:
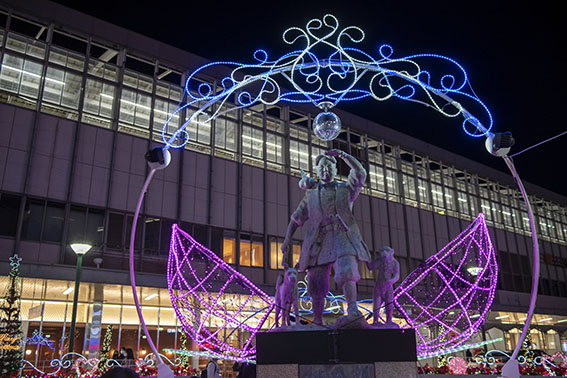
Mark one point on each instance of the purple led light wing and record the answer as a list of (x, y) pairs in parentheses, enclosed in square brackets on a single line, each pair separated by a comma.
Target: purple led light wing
[(441, 296), (212, 300)]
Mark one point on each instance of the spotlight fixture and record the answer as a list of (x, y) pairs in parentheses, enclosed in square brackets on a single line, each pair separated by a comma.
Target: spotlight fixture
[(158, 158), (499, 144)]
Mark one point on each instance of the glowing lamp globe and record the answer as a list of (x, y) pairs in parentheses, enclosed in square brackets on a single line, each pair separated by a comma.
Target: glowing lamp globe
[(327, 126)]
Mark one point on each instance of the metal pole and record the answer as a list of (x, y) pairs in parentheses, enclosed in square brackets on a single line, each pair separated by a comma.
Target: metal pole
[(75, 302)]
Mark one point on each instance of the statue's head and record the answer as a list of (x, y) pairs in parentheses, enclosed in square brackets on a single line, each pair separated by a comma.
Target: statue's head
[(386, 252), (326, 168)]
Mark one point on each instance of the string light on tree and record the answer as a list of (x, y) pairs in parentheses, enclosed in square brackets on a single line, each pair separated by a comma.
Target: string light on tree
[(11, 355), (105, 350)]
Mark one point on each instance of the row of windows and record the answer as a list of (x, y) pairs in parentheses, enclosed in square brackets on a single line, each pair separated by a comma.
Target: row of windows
[(415, 180), (44, 222)]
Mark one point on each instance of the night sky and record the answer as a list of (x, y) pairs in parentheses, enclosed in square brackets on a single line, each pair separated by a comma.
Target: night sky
[(511, 53)]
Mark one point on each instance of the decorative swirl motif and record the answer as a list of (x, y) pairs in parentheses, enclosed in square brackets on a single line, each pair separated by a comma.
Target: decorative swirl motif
[(332, 301), (343, 74), (80, 362), (491, 358)]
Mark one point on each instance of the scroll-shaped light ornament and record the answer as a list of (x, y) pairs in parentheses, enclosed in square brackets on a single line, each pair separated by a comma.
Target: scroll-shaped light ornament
[(327, 69)]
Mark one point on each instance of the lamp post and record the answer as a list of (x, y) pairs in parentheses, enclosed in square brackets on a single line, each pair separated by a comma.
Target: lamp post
[(80, 250)]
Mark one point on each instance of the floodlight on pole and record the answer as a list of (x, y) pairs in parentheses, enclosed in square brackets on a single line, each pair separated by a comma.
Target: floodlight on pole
[(80, 250)]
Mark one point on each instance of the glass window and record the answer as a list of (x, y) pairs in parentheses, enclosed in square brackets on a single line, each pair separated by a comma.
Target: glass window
[(151, 235), (199, 128), (486, 209), (296, 251), (274, 148), (135, 109), (437, 195), (33, 218), (163, 110), (298, 131), (77, 223), (507, 215), (409, 187), (200, 234), (94, 232), (103, 70), (66, 58), (225, 134), (275, 125), (423, 192), (463, 203), (252, 117), (229, 248), (377, 178), (138, 81), (251, 252), (53, 226), (276, 253), (252, 142), (115, 231), (9, 209), (20, 76), (25, 45), (62, 88), (392, 180), (299, 155), (168, 91), (99, 102)]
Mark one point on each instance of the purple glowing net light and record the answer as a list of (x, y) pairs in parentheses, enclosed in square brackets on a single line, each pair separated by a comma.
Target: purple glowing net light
[(446, 298), (207, 293)]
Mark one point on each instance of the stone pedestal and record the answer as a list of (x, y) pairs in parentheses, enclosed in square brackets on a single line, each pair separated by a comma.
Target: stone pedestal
[(369, 353)]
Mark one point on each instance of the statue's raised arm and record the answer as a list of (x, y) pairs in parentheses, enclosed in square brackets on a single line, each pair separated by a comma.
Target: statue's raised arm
[(357, 174)]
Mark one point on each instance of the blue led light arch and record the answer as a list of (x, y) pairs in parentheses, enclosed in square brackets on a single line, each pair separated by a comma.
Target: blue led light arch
[(344, 73)]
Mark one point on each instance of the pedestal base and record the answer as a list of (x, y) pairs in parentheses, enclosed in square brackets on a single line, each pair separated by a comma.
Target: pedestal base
[(369, 353), (377, 370)]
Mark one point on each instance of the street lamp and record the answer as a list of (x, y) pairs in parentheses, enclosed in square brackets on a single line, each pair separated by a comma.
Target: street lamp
[(80, 250)]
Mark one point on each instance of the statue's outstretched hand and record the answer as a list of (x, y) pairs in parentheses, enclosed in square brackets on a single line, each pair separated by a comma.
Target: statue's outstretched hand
[(335, 152)]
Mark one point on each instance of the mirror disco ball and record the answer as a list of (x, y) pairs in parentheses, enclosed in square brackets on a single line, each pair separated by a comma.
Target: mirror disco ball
[(327, 126)]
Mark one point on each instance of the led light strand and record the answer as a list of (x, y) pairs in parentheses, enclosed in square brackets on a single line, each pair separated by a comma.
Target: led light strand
[(424, 355), (342, 73), (192, 271), (453, 288)]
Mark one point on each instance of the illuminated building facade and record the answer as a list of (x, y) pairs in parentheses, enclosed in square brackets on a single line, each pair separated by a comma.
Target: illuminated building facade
[(82, 100)]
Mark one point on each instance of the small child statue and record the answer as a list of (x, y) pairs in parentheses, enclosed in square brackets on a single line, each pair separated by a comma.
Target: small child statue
[(388, 273)]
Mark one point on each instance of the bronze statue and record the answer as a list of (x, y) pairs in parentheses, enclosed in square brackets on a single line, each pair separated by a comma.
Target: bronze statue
[(388, 273), (333, 238)]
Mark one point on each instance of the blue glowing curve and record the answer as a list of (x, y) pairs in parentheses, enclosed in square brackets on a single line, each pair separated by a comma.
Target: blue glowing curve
[(344, 74)]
